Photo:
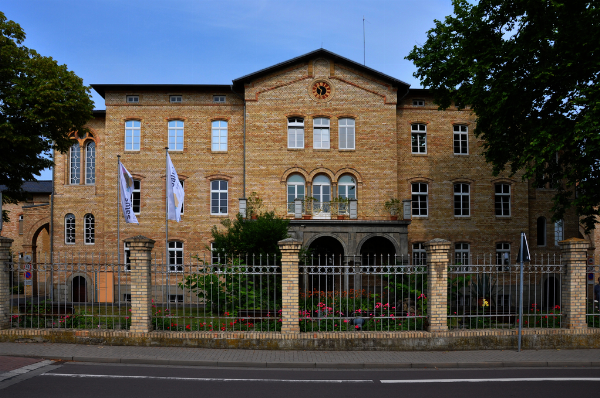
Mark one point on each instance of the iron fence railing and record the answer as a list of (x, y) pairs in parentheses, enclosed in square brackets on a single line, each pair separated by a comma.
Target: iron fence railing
[(362, 293), (483, 292), (217, 293), (74, 291), (592, 292)]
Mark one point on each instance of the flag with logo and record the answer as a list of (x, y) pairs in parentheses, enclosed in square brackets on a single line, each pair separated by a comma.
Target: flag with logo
[(126, 185), (175, 193)]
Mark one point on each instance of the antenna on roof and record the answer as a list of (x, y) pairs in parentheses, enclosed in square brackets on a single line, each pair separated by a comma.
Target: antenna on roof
[(364, 44)]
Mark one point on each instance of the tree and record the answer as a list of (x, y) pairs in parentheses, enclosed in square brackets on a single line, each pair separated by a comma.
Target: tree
[(250, 237), (529, 69), (41, 103)]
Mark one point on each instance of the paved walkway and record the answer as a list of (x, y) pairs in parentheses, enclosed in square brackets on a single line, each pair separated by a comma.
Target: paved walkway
[(302, 359)]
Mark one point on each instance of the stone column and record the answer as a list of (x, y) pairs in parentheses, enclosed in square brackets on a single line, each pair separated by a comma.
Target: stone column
[(438, 251), (5, 244), (289, 280), (140, 254), (573, 298)]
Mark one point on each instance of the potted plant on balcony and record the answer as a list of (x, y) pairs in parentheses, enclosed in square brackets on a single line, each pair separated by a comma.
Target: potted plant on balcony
[(254, 205), (393, 206), (308, 207), (339, 208)]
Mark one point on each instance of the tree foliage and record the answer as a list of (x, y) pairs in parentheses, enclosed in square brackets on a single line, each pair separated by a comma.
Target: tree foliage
[(41, 103), (242, 236), (529, 70)]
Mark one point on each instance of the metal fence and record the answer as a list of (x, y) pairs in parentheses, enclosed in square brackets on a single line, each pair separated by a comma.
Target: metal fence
[(369, 292), (73, 291), (483, 292), (592, 292), (216, 293)]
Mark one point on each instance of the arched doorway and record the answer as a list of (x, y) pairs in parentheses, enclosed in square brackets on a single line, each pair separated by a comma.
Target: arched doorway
[(325, 261), (79, 289), (551, 293), (376, 251)]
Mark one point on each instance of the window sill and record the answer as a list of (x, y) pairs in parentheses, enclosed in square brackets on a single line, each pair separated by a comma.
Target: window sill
[(295, 149), (322, 149), (462, 217), (420, 217), (419, 154), (347, 150), (219, 215), (503, 217), (218, 152), (132, 150), (461, 154)]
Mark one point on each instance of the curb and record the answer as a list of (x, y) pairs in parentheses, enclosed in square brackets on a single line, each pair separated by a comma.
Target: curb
[(330, 365)]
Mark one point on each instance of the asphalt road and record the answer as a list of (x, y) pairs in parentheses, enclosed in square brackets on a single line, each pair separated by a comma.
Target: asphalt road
[(97, 380)]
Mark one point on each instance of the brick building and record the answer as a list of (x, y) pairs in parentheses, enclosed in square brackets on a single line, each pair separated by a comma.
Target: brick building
[(319, 126)]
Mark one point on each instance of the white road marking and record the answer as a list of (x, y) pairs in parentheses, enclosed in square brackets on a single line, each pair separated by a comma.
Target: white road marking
[(512, 379), (24, 369), (201, 378)]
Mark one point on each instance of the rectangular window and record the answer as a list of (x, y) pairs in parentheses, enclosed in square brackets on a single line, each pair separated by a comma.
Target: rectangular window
[(132, 135), (176, 298), (502, 254), (502, 200), (461, 254), (346, 133), (21, 224), (176, 135), (127, 256), (295, 132), (461, 140), (136, 196), (220, 99), (216, 257), (182, 186), (418, 102), (419, 138), (133, 99), (419, 199), (321, 133), (219, 135), (176, 256), (419, 254), (559, 231), (218, 197), (175, 99), (461, 200)]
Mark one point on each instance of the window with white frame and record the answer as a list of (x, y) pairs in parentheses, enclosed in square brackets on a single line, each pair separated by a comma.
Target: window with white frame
[(461, 254), (75, 164), (559, 231), (127, 256), (346, 133), (419, 199), (321, 133), (216, 256), (132, 135), (220, 99), (419, 255), (321, 190), (295, 190), (219, 135), (502, 200), (461, 200), (89, 227), (418, 136), (461, 140), (176, 135), (295, 132), (176, 256), (175, 99), (218, 197), (70, 229), (133, 99), (136, 196), (418, 102), (90, 163), (347, 187), (502, 253)]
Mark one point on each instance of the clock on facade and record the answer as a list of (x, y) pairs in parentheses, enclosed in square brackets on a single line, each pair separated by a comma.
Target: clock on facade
[(321, 90)]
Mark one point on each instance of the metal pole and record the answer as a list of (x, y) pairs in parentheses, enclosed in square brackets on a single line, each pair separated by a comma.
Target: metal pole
[(521, 292), (166, 206), (119, 227), (52, 228)]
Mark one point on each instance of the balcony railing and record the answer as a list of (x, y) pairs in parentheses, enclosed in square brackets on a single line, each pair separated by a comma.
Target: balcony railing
[(323, 209)]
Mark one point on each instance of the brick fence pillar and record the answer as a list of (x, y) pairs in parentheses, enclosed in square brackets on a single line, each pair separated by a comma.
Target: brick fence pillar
[(140, 255), (5, 258), (438, 251), (289, 280), (573, 298)]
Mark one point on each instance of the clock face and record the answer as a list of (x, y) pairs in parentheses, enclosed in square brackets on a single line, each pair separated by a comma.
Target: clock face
[(321, 90)]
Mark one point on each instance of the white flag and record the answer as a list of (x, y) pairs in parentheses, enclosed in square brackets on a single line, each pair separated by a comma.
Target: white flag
[(126, 183), (175, 193)]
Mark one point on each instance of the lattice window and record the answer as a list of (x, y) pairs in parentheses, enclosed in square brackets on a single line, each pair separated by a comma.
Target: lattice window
[(70, 229), (89, 224), (90, 163), (75, 164)]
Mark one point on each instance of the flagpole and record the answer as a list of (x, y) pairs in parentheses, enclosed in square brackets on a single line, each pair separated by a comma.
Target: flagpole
[(166, 206), (521, 292), (119, 225)]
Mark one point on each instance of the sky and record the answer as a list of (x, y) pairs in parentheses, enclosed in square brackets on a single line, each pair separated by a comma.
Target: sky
[(217, 41)]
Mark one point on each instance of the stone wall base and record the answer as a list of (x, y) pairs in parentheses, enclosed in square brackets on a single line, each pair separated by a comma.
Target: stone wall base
[(322, 341)]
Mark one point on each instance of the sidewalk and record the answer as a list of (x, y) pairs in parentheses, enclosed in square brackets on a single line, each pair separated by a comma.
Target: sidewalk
[(303, 359)]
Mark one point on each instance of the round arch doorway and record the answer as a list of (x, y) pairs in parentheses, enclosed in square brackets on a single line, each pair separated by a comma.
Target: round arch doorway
[(377, 251), (79, 289), (325, 253)]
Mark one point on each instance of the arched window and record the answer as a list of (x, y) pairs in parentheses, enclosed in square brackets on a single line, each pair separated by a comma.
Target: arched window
[(559, 231), (90, 163), (219, 135), (295, 190), (322, 193), (176, 135), (347, 187), (70, 229), (89, 226), (75, 164), (541, 231)]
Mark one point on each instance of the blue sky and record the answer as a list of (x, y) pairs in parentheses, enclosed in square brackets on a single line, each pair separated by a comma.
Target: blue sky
[(214, 42)]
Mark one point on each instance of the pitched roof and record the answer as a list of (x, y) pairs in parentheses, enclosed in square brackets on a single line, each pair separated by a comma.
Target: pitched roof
[(43, 186), (103, 88)]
